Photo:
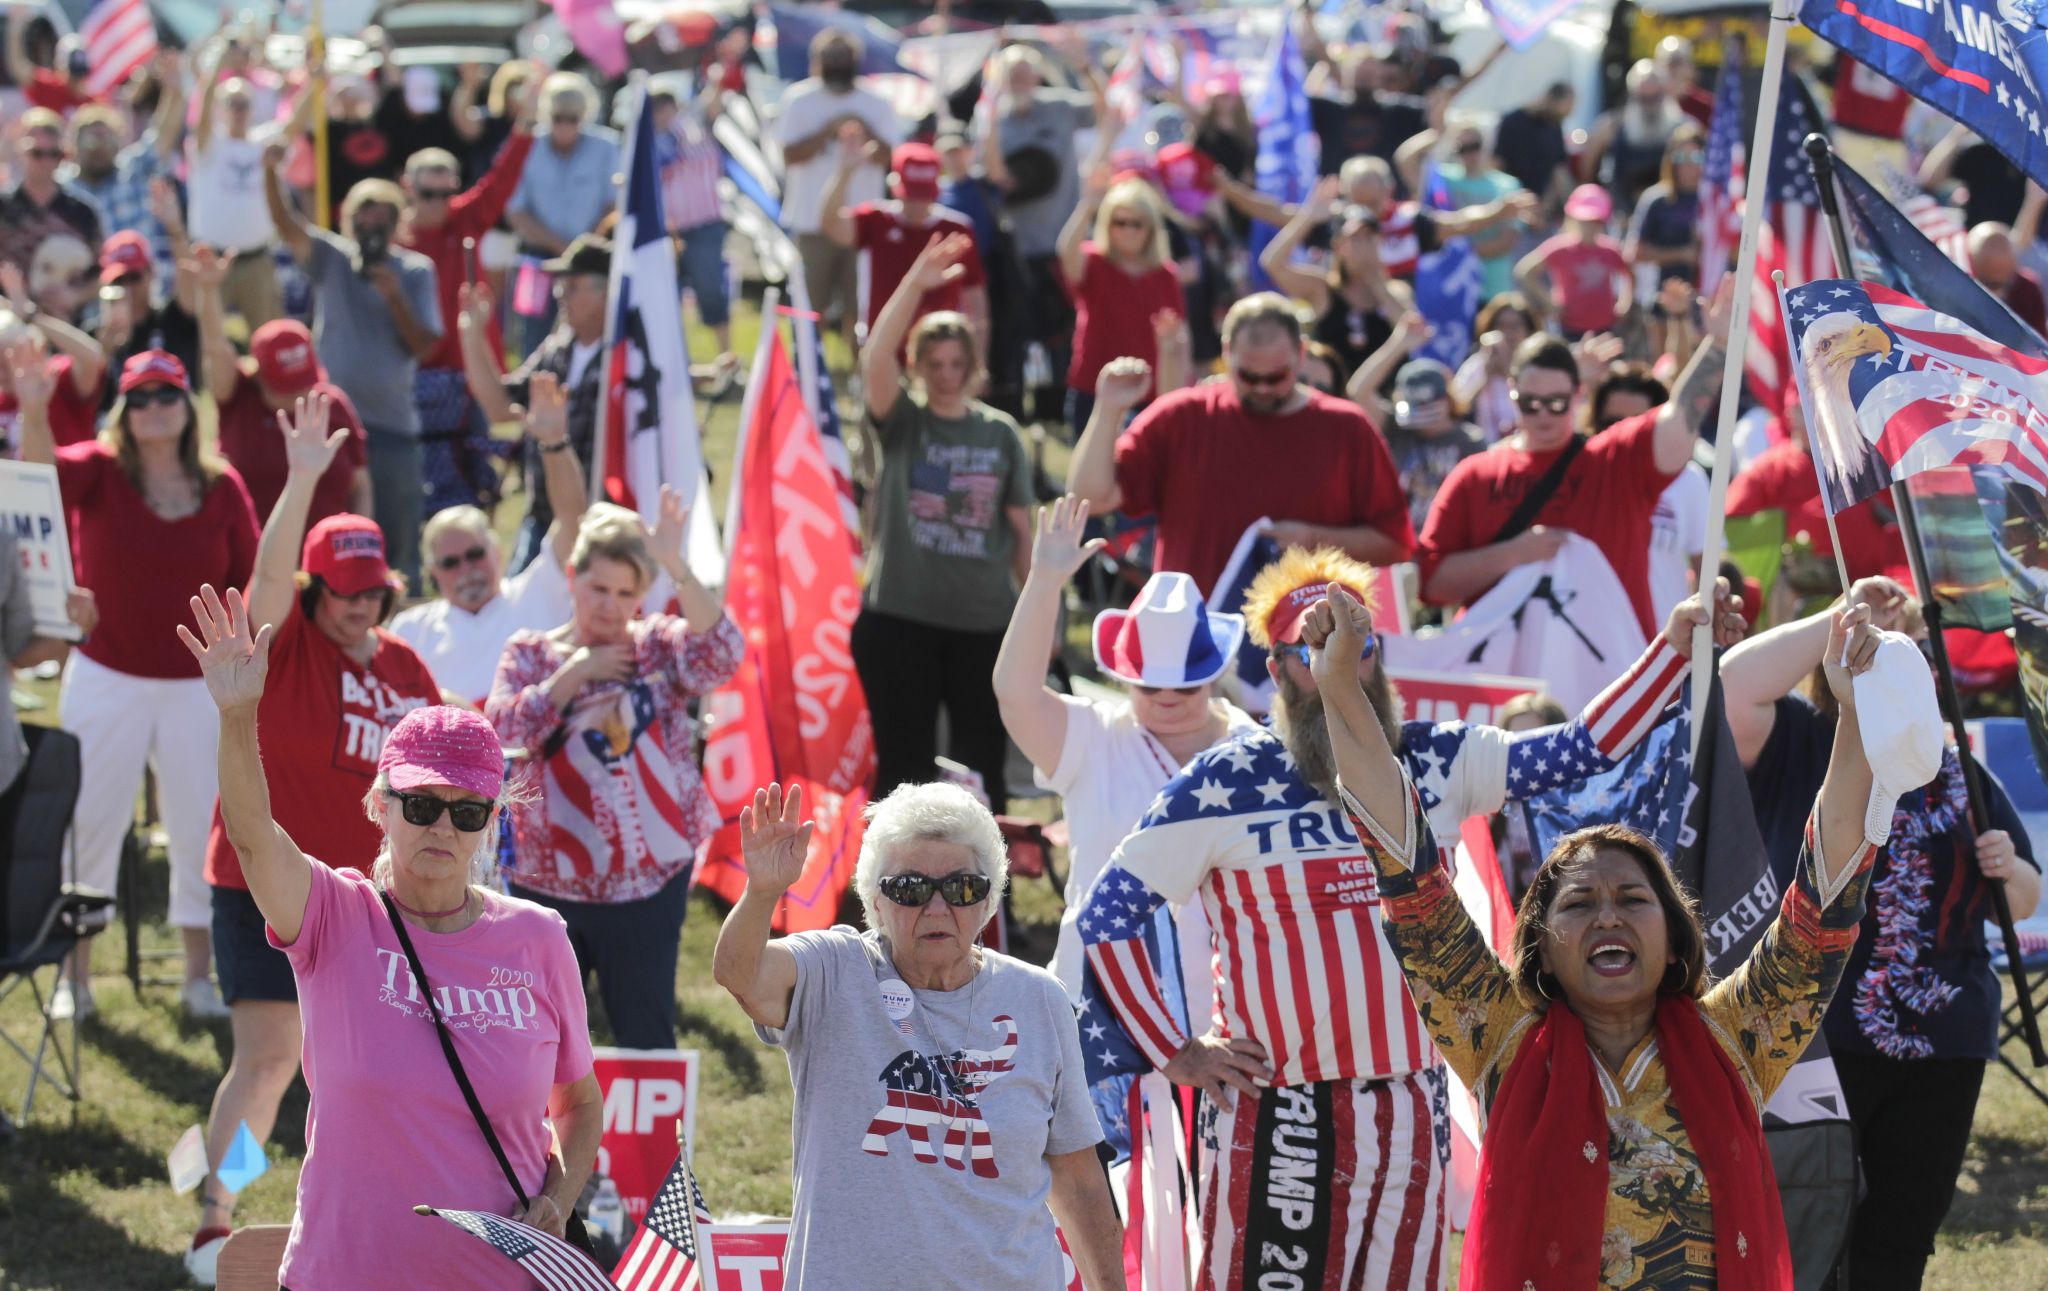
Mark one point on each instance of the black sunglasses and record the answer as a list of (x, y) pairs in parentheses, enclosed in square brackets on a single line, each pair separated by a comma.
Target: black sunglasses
[(46, 154), (154, 396), (1554, 404), (1255, 379), (449, 564), (423, 810), (435, 194), (1168, 690), (960, 888), (1296, 650)]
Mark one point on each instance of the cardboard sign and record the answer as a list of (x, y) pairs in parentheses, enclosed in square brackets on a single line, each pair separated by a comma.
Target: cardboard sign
[(1470, 697), (748, 1257), (33, 510), (647, 1093)]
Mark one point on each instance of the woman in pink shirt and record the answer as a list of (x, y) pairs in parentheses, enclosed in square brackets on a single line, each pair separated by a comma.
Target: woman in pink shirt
[(1580, 275), (388, 1127)]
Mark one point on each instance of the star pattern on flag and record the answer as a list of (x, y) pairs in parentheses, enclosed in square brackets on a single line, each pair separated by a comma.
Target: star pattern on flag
[(1252, 772), (504, 1238)]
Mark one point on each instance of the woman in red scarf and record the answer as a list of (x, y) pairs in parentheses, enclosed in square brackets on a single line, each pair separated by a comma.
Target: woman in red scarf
[(1623, 1090)]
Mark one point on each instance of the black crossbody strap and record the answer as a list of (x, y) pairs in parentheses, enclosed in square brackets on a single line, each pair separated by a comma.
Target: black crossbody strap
[(1540, 492), (476, 1109)]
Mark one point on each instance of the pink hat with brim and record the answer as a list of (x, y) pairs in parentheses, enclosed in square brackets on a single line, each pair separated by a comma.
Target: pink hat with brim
[(1589, 202), (444, 745)]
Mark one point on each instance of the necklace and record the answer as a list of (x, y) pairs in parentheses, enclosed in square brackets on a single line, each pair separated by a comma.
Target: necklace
[(430, 914)]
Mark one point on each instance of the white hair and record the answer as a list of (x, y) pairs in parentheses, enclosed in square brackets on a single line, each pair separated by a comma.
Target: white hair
[(562, 84), (483, 863), (939, 812)]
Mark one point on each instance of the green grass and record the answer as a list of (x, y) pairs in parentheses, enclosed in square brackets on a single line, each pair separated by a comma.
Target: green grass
[(85, 1204)]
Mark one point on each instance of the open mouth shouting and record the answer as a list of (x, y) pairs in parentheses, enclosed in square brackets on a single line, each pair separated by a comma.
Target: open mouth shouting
[(1612, 957)]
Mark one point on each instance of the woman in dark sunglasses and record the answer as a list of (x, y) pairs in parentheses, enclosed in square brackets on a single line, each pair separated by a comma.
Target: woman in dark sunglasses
[(942, 1113), (418, 979)]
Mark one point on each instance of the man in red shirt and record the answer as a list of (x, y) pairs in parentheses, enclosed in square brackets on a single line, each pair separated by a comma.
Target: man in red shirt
[(1607, 492), (251, 392), (1209, 461), (889, 235)]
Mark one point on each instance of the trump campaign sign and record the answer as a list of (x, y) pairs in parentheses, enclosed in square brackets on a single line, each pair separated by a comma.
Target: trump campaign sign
[(1471, 697), (33, 511), (647, 1094), (749, 1257)]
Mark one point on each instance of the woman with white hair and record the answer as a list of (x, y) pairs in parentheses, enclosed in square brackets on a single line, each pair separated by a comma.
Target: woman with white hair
[(941, 1111), (419, 977)]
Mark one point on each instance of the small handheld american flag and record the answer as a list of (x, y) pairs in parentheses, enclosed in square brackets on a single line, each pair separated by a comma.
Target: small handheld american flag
[(555, 1264), (667, 1251)]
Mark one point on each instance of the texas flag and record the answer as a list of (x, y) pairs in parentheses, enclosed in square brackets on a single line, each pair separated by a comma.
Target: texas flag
[(650, 412)]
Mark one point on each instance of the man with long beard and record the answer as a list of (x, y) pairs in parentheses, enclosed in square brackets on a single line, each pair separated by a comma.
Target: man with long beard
[(1326, 1132)]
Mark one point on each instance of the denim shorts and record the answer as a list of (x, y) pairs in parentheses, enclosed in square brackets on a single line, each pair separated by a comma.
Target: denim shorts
[(250, 968), (701, 263)]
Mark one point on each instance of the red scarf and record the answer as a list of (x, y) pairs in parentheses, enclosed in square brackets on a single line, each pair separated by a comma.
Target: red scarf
[(1541, 1207)]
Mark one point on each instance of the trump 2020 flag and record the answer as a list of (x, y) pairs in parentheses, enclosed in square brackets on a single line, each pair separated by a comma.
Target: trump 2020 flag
[(650, 411), (1892, 388), (1288, 150), (1983, 64)]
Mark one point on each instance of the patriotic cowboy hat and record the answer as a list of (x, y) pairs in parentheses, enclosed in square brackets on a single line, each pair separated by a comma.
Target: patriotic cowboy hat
[(1168, 638)]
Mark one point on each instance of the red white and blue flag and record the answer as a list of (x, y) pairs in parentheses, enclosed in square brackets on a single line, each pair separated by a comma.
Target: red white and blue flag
[(1721, 181), (668, 1252), (650, 410), (1793, 238), (120, 36), (554, 1264), (821, 398), (1892, 388)]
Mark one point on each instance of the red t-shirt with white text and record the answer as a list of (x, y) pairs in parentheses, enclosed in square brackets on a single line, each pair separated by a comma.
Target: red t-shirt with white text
[(1608, 495), (322, 723), (888, 247), (1206, 470)]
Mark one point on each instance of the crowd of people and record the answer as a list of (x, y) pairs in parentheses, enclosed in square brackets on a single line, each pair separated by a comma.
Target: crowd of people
[(412, 780)]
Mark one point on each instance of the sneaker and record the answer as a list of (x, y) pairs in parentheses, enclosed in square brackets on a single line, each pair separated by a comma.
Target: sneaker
[(69, 1004), (202, 1001), (202, 1259)]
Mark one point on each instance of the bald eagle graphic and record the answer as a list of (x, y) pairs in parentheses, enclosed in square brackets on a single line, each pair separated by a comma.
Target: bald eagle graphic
[(1850, 466)]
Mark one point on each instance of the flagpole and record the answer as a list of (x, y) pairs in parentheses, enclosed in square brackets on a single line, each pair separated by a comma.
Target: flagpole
[(316, 60), (614, 285), (1758, 163), (1822, 161)]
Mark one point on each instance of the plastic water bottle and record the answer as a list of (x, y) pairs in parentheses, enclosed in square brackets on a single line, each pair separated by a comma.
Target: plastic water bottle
[(1037, 367), (607, 1212)]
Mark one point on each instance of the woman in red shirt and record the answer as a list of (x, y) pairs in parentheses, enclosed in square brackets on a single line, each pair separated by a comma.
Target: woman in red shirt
[(156, 518), (1119, 282), (338, 683)]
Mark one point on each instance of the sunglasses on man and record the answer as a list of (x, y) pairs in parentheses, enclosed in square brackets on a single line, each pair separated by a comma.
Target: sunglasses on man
[(154, 396), (1260, 380), (449, 564), (1299, 652), (1557, 405), (422, 809), (960, 888)]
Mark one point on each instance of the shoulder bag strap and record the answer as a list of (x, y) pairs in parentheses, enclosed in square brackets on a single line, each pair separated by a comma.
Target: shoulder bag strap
[(1540, 492)]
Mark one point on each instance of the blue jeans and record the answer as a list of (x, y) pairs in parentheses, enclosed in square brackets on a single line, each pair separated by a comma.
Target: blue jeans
[(398, 488), (632, 948)]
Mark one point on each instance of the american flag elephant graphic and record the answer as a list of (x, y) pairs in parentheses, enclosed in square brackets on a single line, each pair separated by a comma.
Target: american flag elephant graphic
[(932, 1100)]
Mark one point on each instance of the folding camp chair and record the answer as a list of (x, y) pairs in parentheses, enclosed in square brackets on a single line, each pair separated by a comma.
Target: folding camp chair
[(2006, 748), (2012, 1047), (41, 916)]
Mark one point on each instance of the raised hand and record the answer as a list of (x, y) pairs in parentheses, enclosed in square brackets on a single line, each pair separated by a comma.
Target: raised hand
[(233, 657), (1335, 629), (1122, 382), (1720, 311), (1851, 649), (207, 268), (1727, 621), (1596, 353), (1058, 549), (1323, 199), (15, 287), (775, 838), (547, 410), (672, 520), (939, 263), (33, 382), (308, 448), (1887, 601), (476, 306)]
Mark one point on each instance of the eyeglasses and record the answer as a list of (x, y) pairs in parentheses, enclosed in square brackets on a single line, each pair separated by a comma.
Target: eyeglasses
[(1168, 690), (570, 120), (1300, 653), (435, 194), (46, 154), (1470, 146), (960, 888), (449, 564), (1555, 404), (1257, 379), (422, 809), (1687, 158), (155, 396)]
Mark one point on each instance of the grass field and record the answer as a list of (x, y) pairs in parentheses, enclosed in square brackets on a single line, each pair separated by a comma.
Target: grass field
[(85, 1204)]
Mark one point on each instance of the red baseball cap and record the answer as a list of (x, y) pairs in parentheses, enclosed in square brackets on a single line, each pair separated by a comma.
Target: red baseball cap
[(1283, 623), (152, 367), (346, 552), (283, 350), (123, 255), (917, 171), (443, 745)]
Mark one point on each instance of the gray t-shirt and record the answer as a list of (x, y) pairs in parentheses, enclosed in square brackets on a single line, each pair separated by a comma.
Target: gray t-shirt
[(943, 540), (356, 337), (929, 1140), (1054, 118)]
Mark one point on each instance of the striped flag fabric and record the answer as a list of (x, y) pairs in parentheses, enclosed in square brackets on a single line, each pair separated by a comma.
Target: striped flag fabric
[(1721, 182), (555, 1264), (822, 399), (120, 36), (1794, 240), (1938, 223), (666, 1253)]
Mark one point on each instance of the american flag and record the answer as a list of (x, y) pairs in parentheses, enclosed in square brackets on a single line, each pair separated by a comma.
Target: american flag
[(665, 1255), (822, 399), (1942, 225), (555, 1264), (1893, 388), (1721, 180), (1300, 963), (1793, 238), (120, 36)]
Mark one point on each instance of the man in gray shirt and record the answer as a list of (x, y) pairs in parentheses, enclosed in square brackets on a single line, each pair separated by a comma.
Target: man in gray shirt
[(565, 191), (375, 316)]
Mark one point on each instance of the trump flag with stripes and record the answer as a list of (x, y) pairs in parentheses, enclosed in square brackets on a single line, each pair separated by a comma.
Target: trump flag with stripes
[(1791, 238), (1892, 388)]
